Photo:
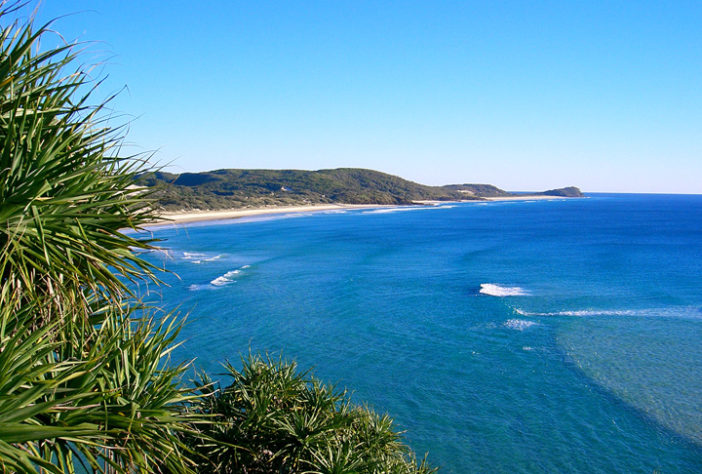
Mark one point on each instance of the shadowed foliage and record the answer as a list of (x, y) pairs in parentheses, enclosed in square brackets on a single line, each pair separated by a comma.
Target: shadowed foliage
[(273, 418), (83, 373), (65, 190)]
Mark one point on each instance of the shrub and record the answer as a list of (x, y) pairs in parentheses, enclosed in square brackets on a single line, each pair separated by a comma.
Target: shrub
[(273, 418), (83, 377)]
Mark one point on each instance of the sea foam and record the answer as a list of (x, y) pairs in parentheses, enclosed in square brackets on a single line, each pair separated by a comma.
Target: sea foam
[(387, 210), (583, 313), (492, 289), (228, 277), (519, 324), (199, 257), (393, 209), (675, 312)]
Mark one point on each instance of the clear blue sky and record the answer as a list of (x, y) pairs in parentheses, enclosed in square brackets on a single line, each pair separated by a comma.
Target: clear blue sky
[(524, 95)]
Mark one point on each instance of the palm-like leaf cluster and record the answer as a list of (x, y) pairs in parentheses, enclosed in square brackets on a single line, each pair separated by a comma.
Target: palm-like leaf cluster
[(112, 408), (83, 377), (65, 192), (273, 418)]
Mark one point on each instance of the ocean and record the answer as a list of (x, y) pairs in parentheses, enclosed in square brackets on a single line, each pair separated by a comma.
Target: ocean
[(524, 336)]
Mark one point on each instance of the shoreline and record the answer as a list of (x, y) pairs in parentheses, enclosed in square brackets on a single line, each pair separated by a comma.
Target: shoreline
[(527, 197), (186, 217)]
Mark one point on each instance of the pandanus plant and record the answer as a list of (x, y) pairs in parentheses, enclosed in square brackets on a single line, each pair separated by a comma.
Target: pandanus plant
[(83, 373), (274, 418)]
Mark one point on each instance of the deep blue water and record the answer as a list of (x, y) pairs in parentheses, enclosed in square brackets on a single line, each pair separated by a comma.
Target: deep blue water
[(583, 353)]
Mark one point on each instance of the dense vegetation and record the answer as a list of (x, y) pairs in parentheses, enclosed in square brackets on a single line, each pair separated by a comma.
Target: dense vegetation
[(82, 378), (231, 188), (478, 190), (570, 191), (84, 372), (236, 188), (273, 418)]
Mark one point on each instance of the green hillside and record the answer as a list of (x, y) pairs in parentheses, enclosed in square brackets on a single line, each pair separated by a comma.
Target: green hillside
[(234, 188), (570, 191), (241, 188), (481, 190)]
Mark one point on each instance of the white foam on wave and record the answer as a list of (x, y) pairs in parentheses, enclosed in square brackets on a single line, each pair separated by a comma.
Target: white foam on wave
[(492, 289), (674, 312), (387, 210), (332, 211), (199, 257), (392, 209), (192, 255), (226, 278), (519, 324)]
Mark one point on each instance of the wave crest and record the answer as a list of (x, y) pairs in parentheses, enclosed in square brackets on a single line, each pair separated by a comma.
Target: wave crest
[(676, 312), (492, 289), (226, 278)]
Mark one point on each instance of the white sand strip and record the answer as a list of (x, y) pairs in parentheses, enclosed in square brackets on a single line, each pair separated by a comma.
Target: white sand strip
[(196, 216)]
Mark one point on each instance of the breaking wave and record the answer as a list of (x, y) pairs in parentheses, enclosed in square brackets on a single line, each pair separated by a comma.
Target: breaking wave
[(392, 209), (387, 210), (679, 312), (222, 280), (228, 277), (492, 289)]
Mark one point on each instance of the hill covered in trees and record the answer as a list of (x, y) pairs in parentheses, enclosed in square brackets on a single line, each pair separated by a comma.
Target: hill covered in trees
[(241, 188)]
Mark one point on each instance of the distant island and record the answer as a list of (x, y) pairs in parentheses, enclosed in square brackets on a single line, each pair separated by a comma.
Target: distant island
[(250, 188)]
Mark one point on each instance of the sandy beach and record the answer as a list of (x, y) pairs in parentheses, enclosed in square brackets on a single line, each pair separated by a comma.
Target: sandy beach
[(184, 217)]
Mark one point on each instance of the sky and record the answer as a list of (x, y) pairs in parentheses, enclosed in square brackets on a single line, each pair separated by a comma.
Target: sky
[(531, 95)]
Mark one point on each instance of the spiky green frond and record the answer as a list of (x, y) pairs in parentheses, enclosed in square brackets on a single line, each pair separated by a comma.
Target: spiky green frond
[(65, 193), (115, 403), (273, 418)]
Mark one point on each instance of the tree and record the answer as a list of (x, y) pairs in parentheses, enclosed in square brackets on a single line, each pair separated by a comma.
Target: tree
[(82, 366), (274, 418)]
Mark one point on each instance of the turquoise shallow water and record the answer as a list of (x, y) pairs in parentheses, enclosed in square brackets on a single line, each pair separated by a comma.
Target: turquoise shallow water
[(504, 337)]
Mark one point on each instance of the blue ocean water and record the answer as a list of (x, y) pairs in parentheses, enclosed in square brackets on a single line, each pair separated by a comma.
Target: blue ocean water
[(537, 336)]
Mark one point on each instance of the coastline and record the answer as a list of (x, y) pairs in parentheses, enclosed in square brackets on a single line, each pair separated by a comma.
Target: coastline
[(184, 217), (528, 197), (525, 197)]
